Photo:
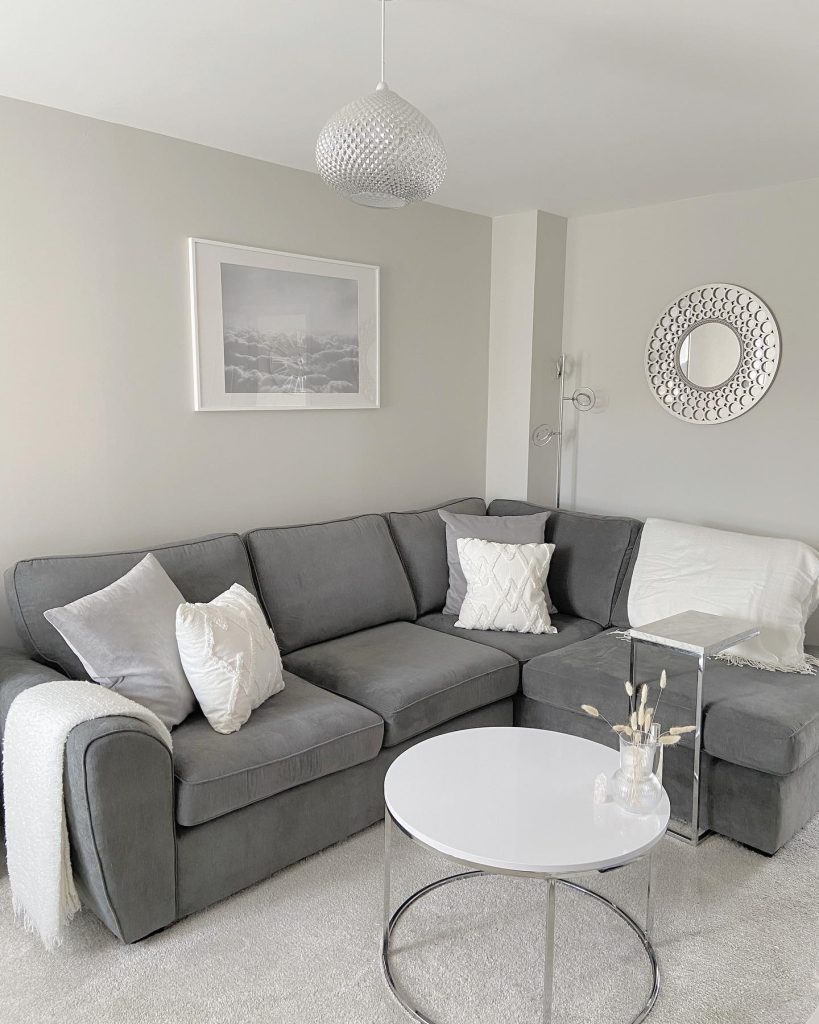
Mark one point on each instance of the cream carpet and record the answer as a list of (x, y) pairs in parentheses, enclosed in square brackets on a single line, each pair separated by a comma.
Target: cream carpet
[(737, 937)]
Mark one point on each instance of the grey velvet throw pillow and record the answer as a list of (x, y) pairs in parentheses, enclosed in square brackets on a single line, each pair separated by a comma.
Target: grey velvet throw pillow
[(502, 529), (125, 636)]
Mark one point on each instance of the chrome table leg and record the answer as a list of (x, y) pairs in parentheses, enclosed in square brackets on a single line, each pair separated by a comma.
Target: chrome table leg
[(695, 799), (387, 843), (650, 897), (549, 964)]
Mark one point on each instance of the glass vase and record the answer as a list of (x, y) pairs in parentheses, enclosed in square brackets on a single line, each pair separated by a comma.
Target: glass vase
[(635, 786)]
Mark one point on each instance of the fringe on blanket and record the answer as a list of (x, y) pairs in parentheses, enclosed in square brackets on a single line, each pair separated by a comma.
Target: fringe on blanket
[(69, 902), (806, 667), (25, 921)]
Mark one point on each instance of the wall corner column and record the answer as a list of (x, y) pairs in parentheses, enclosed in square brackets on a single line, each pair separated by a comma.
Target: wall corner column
[(525, 343)]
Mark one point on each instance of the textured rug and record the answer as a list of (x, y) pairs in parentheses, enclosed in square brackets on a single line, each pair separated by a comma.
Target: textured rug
[(737, 938)]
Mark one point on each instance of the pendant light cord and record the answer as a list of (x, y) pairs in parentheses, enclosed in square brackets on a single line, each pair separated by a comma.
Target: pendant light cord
[(383, 35)]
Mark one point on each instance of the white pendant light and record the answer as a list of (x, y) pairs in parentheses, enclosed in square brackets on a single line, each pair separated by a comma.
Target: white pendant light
[(380, 150)]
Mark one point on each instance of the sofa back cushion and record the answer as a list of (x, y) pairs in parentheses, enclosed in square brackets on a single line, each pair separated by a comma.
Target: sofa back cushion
[(201, 569), (619, 617), (325, 580), (590, 558), (421, 541)]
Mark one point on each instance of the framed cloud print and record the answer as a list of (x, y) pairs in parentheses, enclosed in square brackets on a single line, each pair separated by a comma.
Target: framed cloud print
[(274, 330)]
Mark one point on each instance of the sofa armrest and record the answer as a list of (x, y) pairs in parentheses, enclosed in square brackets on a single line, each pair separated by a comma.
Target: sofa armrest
[(119, 799), (17, 673)]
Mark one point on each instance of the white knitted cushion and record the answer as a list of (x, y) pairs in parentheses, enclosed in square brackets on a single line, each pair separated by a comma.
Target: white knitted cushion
[(230, 656), (504, 586)]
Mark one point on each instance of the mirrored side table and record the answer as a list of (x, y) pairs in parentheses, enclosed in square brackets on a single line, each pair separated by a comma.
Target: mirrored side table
[(700, 635)]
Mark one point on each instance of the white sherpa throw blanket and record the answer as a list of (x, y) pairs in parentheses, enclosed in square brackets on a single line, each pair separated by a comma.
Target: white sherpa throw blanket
[(39, 861), (765, 581)]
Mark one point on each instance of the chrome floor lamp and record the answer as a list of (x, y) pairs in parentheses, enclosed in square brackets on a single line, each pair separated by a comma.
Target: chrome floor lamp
[(582, 399)]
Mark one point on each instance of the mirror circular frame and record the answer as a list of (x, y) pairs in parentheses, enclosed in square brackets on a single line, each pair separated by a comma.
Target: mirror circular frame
[(756, 329)]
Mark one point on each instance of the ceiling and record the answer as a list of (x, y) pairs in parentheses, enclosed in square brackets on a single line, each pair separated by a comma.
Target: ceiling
[(572, 107)]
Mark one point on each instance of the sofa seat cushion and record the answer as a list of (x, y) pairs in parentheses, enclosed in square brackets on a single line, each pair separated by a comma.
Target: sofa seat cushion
[(414, 678), (768, 721), (297, 735), (522, 646)]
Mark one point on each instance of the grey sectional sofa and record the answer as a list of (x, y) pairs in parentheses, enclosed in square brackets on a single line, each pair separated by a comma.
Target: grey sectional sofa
[(372, 666)]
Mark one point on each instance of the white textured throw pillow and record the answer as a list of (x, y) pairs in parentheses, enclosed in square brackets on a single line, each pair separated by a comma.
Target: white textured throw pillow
[(230, 657), (124, 636), (504, 586), (765, 581)]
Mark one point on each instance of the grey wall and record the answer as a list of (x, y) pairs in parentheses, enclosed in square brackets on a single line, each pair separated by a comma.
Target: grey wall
[(100, 447), (757, 473)]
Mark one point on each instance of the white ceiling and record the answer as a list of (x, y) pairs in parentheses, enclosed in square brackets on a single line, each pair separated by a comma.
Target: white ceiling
[(572, 107)]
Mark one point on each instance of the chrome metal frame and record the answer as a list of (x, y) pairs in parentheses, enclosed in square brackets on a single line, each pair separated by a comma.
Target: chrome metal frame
[(552, 882), (694, 833)]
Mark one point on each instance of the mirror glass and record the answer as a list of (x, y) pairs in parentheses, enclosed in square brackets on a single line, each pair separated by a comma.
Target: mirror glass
[(709, 354)]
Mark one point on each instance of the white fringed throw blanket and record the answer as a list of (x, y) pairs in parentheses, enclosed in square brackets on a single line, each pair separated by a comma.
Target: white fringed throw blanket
[(39, 861), (765, 581)]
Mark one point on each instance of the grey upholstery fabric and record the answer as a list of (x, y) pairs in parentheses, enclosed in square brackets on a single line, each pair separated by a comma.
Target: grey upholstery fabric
[(619, 617), (414, 678), (201, 569), (590, 559), (322, 581), (236, 850), (501, 529), (421, 541), (522, 646), (297, 735), (767, 721), (125, 636), (119, 806), (18, 673), (755, 808)]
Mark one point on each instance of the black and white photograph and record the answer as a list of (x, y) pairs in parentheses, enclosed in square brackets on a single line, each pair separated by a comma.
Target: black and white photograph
[(287, 333), (282, 331)]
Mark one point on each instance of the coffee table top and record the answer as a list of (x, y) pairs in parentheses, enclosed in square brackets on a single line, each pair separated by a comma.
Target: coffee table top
[(517, 801)]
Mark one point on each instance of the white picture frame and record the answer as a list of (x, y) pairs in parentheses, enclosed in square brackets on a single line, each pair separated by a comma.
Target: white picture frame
[(278, 330)]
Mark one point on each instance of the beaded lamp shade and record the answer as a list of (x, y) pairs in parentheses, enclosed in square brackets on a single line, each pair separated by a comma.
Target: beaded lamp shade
[(380, 150)]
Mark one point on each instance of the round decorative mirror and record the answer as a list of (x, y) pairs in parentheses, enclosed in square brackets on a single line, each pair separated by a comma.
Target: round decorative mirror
[(713, 354)]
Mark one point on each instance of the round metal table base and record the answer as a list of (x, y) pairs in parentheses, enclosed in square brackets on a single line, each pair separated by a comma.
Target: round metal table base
[(416, 1014)]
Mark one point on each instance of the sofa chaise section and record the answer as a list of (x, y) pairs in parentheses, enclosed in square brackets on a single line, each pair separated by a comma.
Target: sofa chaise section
[(760, 730)]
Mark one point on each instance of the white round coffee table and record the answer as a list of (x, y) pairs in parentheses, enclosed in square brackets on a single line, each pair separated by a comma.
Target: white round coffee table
[(517, 802)]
